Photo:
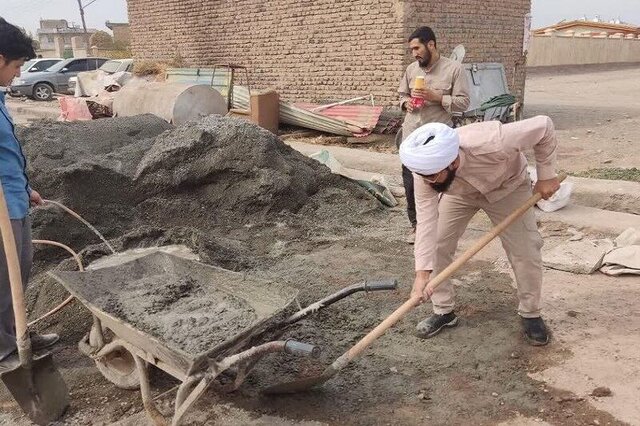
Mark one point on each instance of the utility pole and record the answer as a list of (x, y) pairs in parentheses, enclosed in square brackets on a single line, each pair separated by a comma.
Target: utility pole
[(84, 24)]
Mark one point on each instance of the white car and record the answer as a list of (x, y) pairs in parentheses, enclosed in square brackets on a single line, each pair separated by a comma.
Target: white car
[(110, 67)]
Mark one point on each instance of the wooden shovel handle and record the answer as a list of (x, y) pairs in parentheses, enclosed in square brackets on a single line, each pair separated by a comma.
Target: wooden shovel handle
[(407, 306), (15, 279)]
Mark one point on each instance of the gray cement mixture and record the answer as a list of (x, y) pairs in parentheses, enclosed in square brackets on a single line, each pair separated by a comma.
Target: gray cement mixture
[(177, 310), (123, 174)]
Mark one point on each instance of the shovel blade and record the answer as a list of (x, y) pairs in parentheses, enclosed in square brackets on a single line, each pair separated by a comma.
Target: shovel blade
[(301, 385), (40, 390)]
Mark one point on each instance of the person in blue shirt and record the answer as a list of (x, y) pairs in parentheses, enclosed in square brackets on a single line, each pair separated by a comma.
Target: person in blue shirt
[(15, 48)]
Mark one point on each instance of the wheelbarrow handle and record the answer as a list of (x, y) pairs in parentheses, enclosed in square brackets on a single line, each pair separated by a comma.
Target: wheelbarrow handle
[(381, 285), (294, 347), (376, 285)]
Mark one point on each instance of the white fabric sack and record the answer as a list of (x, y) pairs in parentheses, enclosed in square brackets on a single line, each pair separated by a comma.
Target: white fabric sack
[(559, 200), (625, 259)]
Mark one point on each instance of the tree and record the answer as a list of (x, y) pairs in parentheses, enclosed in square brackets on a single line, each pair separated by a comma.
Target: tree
[(102, 40), (35, 41)]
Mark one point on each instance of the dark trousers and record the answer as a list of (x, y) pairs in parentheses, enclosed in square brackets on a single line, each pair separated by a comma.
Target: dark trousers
[(407, 181), (22, 235)]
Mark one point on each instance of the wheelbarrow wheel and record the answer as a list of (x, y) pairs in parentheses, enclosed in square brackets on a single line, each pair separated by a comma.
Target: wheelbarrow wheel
[(119, 367)]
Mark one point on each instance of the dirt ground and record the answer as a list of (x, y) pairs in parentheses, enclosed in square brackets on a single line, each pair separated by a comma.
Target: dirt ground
[(479, 373), (596, 112)]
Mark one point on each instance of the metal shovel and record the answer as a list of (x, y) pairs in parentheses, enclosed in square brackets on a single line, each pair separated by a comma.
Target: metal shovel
[(310, 382), (35, 383)]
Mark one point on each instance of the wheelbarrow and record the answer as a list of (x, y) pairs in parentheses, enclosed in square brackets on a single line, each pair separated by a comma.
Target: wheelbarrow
[(193, 321)]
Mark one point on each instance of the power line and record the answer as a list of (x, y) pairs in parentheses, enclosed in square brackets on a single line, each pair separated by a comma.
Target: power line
[(89, 4)]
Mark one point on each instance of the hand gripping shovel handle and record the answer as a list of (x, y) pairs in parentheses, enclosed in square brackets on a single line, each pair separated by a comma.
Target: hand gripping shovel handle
[(15, 279), (407, 306)]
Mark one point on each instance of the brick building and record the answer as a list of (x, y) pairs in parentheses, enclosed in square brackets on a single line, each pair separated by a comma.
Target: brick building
[(327, 49), (121, 32)]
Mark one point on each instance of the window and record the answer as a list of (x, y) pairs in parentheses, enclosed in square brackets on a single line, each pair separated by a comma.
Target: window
[(78, 65), (99, 63), (110, 66), (43, 65), (27, 65)]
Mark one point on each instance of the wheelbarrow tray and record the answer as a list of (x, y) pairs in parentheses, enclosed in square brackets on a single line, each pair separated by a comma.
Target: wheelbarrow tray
[(178, 311)]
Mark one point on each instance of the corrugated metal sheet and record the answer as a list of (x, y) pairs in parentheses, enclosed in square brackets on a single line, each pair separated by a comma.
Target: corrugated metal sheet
[(364, 116), (201, 76), (289, 114)]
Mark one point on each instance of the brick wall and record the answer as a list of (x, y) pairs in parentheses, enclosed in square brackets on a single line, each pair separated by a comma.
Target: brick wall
[(322, 49)]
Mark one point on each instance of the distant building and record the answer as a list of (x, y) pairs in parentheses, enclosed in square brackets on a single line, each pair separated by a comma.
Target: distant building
[(55, 37), (592, 28), (121, 32)]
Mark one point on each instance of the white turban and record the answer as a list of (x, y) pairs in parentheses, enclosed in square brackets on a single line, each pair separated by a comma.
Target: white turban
[(430, 149)]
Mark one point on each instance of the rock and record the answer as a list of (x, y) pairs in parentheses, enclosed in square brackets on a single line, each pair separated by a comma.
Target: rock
[(393, 369), (572, 314), (577, 236), (578, 257), (423, 396), (596, 422), (494, 394), (397, 191), (601, 391), (589, 131), (607, 161)]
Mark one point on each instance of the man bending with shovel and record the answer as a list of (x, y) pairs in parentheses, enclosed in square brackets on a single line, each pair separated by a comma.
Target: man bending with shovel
[(458, 172)]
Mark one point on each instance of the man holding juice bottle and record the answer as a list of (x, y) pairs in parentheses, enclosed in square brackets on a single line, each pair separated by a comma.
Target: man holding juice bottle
[(431, 90)]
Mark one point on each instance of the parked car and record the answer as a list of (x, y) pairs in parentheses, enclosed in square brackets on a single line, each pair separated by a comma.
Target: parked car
[(34, 65), (110, 67), (42, 85), (40, 64)]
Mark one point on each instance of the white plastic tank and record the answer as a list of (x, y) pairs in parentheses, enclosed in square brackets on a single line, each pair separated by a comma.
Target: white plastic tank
[(176, 103)]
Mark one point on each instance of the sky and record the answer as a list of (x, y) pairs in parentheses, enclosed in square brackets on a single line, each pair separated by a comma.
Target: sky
[(27, 13), (548, 12)]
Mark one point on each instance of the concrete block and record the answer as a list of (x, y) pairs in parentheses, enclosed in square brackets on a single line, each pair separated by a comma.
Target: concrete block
[(578, 257)]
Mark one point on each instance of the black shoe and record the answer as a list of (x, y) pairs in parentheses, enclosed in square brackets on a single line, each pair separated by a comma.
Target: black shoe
[(42, 341), (434, 324), (535, 331)]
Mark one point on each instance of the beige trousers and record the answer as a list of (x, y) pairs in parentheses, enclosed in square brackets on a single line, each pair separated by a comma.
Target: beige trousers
[(521, 241)]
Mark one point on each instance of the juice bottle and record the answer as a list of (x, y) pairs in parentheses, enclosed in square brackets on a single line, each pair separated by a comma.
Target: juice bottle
[(418, 83)]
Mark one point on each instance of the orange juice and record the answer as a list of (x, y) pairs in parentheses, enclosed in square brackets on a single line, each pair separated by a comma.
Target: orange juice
[(418, 83)]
